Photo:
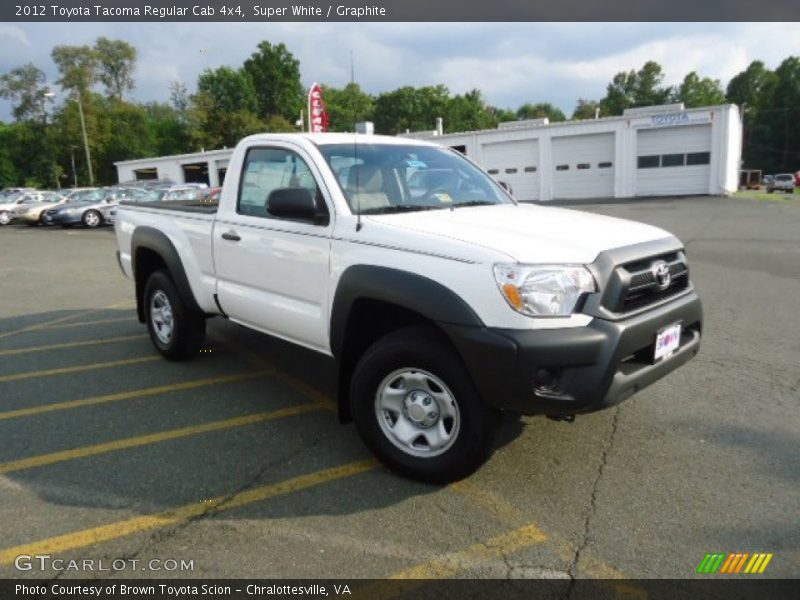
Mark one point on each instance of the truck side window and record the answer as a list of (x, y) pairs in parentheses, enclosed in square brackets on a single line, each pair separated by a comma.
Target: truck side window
[(269, 169)]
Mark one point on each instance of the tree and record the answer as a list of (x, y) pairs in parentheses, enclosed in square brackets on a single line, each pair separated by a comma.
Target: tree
[(783, 116), (695, 91), (543, 110), (586, 109), (753, 86), (77, 66), (469, 112), (25, 88), (409, 108), (635, 88), (179, 96), (116, 62), (275, 76), (347, 106), (230, 90)]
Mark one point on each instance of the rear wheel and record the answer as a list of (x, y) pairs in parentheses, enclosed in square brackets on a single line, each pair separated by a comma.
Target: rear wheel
[(416, 408), (92, 219), (174, 330)]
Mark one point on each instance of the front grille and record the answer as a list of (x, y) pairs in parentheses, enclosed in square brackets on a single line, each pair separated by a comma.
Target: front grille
[(642, 288)]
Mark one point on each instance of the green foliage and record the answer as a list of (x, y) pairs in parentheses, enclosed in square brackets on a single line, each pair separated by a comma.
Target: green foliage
[(116, 62), (77, 66), (275, 76), (410, 108), (695, 91), (347, 106), (635, 88), (586, 109), (541, 111), (469, 112), (25, 87)]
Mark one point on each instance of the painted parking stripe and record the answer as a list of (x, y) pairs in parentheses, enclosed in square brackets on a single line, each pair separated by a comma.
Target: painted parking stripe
[(131, 319), (119, 529), (129, 395), (78, 368), (43, 324), (61, 346), (154, 438)]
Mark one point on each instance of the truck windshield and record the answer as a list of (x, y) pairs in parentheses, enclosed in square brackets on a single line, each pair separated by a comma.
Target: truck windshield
[(389, 178)]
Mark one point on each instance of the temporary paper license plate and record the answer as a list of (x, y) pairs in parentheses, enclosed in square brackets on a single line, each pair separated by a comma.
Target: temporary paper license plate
[(667, 341)]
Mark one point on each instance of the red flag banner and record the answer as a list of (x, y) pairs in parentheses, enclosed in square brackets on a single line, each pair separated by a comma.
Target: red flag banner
[(317, 112)]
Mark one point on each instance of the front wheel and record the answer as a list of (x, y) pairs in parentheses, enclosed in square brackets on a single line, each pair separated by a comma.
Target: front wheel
[(416, 408), (173, 329), (92, 219), (5, 218)]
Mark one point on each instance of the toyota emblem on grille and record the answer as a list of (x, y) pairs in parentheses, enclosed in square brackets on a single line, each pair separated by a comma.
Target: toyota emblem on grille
[(660, 271)]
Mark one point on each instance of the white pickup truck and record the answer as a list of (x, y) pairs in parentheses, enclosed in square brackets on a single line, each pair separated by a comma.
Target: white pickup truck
[(443, 301)]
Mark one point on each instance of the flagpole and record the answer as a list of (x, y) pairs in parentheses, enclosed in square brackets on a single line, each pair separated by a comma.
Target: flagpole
[(310, 91)]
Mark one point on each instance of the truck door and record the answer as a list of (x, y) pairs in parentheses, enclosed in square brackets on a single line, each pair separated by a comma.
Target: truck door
[(273, 273)]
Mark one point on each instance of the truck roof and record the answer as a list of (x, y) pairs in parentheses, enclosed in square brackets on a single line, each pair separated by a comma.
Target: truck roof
[(322, 139)]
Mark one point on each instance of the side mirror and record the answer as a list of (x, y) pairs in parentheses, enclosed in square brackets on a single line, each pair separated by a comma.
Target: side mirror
[(506, 186), (296, 204)]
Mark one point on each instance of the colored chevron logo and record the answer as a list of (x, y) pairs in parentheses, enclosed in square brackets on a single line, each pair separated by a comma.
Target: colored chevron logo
[(734, 563)]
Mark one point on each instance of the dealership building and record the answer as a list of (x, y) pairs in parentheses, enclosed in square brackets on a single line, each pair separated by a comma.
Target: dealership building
[(653, 151)]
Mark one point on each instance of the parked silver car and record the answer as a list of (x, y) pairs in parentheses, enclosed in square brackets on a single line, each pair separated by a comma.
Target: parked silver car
[(90, 208), (16, 201), (783, 182)]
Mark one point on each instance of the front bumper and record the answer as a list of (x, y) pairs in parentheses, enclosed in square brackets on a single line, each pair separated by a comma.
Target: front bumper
[(576, 370), (62, 218)]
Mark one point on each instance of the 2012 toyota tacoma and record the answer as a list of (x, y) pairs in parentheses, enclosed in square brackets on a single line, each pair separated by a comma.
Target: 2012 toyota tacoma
[(443, 300)]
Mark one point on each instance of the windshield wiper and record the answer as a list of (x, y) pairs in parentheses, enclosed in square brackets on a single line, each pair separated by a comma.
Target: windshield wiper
[(473, 203), (399, 208)]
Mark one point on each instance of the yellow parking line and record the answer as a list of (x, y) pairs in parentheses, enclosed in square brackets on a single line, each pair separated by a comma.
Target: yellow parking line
[(112, 340), (78, 368), (111, 531), (36, 326), (450, 564), (132, 319), (154, 438), (139, 393), (497, 506)]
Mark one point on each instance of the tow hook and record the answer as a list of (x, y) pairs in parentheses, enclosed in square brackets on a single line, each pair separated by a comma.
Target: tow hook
[(562, 418)]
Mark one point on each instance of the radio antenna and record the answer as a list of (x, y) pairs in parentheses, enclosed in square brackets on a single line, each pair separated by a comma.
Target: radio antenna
[(358, 194)]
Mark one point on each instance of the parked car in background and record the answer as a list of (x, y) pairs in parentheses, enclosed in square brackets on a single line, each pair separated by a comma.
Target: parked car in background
[(8, 192), (768, 179), (15, 201), (90, 208), (32, 213), (797, 179), (783, 182)]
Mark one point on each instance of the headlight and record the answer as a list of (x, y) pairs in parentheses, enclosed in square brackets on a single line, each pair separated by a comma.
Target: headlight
[(543, 290)]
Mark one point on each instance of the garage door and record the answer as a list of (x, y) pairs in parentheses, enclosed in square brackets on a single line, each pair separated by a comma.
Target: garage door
[(583, 166), (514, 162), (673, 161)]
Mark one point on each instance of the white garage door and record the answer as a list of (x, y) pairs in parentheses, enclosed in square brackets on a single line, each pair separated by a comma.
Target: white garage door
[(515, 162), (583, 166), (673, 161)]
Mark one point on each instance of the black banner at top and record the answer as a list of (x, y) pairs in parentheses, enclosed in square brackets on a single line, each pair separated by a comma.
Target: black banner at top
[(398, 10)]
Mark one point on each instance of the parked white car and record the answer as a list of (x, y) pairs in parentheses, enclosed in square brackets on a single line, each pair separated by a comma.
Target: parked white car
[(443, 303)]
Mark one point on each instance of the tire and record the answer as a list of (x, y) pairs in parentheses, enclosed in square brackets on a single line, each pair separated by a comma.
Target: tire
[(92, 219), (5, 218), (174, 330), (417, 370)]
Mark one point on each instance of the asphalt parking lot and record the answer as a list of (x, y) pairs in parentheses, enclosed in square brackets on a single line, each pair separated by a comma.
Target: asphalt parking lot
[(235, 461)]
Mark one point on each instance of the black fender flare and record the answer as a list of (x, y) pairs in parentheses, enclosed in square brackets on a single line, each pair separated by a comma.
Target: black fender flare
[(158, 242), (407, 290)]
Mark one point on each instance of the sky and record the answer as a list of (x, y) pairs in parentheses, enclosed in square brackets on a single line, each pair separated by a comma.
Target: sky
[(511, 63)]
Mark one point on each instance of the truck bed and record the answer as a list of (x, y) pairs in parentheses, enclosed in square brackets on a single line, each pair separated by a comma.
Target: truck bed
[(189, 206)]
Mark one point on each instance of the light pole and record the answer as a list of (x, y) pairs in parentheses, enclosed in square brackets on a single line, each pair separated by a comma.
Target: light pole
[(72, 159), (85, 140)]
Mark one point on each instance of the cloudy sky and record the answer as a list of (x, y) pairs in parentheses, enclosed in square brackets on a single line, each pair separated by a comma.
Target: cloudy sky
[(511, 63)]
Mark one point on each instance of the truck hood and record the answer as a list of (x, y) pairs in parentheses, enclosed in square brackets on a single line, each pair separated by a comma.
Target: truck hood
[(529, 233)]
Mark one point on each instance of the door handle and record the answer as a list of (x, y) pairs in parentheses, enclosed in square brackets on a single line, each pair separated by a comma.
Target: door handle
[(231, 236)]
